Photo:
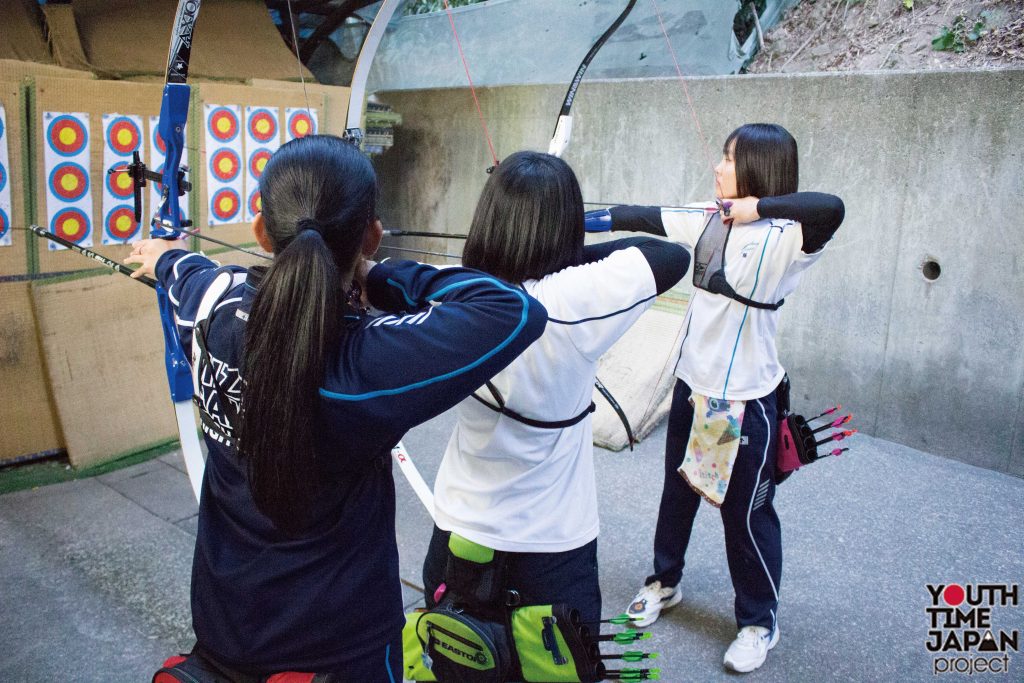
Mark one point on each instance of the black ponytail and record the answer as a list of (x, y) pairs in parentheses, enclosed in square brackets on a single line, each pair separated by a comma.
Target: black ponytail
[(318, 195)]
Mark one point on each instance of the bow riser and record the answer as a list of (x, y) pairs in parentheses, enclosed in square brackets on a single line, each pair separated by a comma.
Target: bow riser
[(171, 127)]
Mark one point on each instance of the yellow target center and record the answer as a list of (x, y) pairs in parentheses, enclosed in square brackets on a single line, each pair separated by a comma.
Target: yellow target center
[(69, 182), (263, 126), (227, 205), (261, 164), (123, 181), (225, 165), (123, 223), (71, 227), (124, 137), (259, 203), (223, 124), (302, 127), (67, 136)]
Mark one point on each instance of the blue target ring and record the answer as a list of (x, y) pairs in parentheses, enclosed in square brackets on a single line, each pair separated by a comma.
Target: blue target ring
[(60, 147)]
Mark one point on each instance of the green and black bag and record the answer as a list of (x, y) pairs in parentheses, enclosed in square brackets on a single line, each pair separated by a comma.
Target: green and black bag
[(479, 633)]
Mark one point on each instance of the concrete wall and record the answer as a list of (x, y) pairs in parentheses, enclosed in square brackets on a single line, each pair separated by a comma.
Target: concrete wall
[(929, 165)]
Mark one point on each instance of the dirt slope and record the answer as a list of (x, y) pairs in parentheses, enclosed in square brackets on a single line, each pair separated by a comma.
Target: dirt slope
[(858, 35)]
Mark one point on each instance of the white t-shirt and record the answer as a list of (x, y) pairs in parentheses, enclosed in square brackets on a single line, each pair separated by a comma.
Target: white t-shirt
[(728, 349), (513, 487)]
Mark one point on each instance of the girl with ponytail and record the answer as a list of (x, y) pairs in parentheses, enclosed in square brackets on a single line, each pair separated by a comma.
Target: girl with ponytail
[(303, 392)]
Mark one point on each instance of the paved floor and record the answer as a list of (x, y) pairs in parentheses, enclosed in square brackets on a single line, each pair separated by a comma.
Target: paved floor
[(95, 572)]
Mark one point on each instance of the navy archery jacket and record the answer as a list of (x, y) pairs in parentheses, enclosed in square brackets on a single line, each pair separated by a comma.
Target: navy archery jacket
[(265, 602)]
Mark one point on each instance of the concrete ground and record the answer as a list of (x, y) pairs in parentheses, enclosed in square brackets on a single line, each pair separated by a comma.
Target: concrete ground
[(96, 572)]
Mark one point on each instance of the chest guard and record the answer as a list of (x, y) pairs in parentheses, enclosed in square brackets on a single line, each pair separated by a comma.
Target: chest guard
[(709, 264)]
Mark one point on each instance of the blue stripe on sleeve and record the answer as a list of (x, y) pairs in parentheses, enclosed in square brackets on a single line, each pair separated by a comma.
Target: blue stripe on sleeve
[(454, 373)]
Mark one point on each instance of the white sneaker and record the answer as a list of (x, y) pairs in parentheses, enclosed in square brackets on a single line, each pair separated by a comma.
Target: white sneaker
[(750, 648), (649, 602)]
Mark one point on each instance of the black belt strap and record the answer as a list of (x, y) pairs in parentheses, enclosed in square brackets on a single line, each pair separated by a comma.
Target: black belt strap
[(540, 424)]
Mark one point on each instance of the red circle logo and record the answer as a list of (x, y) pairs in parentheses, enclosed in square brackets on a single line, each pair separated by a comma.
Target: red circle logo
[(954, 595)]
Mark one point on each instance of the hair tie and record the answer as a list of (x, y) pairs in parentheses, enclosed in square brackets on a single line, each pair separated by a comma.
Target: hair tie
[(306, 223)]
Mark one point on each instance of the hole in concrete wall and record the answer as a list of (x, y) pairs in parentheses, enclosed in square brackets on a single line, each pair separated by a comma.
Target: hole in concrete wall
[(931, 269)]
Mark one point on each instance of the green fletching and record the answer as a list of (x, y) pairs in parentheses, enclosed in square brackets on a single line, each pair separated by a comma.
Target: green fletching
[(622, 619)]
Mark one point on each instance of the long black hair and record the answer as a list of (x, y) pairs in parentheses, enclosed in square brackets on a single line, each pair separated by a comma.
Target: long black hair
[(319, 196), (766, 160), (529, 220)]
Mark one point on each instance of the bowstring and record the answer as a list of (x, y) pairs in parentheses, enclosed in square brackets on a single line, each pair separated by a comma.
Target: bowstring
[(711, 165), (298, 59), (472, 88)]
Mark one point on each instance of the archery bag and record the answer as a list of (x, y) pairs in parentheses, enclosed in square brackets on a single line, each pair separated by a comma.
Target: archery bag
[(480, 634)]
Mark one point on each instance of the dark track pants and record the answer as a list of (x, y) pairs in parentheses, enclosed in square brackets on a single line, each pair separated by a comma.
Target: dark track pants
[(753, 538), (568, 577)]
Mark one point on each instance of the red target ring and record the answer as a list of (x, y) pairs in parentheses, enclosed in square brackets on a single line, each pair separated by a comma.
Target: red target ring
[(67, 135), (300, 124), (158, 141), (123, 136), (120, 223), (258, 161), (262, 125), (5, 224), (69, 181), (120, 184), (71, 224), (225, 204), (223, 124), (255, 202), (225, 165)]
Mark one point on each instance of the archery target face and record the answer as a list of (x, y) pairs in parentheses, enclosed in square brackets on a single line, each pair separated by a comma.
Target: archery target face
[(119, 184), (223, 124), (5, 224), (120, 223), (69, 181), (262, 125), (258, 161), (71, 224), (67, 164), (255, 203), (225, 205), (67, 135), (158, 140), (123, 136), (3, 178), (262, 139), (300, 124), (225, 165)]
